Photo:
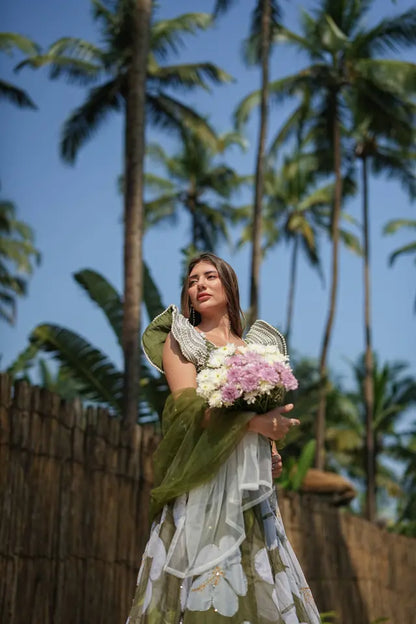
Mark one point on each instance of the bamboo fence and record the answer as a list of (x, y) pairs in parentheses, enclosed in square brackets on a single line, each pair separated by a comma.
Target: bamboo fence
[(74, 490)]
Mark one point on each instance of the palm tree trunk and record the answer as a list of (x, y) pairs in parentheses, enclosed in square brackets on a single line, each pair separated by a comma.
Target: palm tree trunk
[(292, 277), (259, 181), (133, 207), (368, 362), (320, 419)]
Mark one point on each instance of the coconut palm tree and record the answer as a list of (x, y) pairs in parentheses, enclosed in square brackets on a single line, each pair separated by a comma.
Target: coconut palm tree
[(265, 19), (107, 67), (410, 248), (394, 393), (405, 452), (297, 210), (383, 136), (9, 42), (18, 255), (87, 369), (300, 207), (131, 80), (343, 69), (198, 182)]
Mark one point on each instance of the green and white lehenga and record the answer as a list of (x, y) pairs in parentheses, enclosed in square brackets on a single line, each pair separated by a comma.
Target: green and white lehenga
[(217, 552)]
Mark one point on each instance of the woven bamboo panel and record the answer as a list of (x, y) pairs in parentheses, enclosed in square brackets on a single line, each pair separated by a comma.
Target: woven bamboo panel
[(74, 509), (74, 492)]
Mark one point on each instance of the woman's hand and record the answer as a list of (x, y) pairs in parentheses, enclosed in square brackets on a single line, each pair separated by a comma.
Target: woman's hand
[(277, 465), (273, 424)]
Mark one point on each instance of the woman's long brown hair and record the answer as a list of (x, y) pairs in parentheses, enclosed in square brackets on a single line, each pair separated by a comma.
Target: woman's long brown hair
[(229, 280)]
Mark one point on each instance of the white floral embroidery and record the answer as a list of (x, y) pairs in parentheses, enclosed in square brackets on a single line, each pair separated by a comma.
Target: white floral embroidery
[(284, 598), (179, 510), (156, 550), (220, 586), (262, 566)]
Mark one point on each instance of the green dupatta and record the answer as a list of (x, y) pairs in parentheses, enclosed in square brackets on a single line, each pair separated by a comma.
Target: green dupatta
[(189, 453)]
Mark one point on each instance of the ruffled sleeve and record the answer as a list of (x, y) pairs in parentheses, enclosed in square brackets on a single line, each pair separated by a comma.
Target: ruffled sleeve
[(192, 344), (263, 333)]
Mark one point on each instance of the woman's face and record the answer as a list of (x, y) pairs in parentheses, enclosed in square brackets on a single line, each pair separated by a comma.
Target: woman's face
[(205, 289)]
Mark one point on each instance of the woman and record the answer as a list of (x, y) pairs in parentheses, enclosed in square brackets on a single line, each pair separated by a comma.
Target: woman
[(217, 551)]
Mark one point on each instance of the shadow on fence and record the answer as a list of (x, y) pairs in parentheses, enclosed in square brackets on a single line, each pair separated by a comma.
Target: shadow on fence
[(74, 490)]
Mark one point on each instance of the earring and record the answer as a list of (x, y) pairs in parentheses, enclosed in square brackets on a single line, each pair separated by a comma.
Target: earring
[(192, 315)]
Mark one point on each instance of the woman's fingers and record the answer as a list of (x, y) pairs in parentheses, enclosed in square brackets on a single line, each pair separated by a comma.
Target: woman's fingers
[(285, 408), (273, 424), (277, 466)]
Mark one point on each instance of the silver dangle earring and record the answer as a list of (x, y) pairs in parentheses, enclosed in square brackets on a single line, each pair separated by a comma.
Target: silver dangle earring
[(192, 316)]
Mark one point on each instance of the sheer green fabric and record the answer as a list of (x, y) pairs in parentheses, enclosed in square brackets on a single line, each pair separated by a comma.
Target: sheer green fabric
[(191, 452)]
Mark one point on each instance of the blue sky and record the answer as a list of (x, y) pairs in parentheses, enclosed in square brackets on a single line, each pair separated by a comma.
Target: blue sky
[(76, 211)]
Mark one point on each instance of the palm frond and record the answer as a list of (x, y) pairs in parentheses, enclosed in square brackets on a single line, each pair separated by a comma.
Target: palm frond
[(85, 120), (10, 40), (396, 165), (278, 89), (188, 76), (98, 377), (15, 95), (171, 114), (351, 241), (163, 208), (396, 224), (103, 13), (11, 285), (167, 35), (228, 139), (19, 252), (396, 76), (151, 295), (23, 361), (390, 34), (291, 126), (410, 248), (7, 307), (222, 6), (101, 292), (154, 182), (77, 71)]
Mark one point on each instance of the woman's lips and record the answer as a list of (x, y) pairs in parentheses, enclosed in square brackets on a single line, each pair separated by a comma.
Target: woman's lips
[(203, 297)]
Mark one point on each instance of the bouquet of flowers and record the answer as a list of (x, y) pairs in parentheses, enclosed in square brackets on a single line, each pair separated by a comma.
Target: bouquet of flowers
[(251, 377)]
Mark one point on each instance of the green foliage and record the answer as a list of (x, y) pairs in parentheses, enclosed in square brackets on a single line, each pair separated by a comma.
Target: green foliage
[(84, 63), (8, 43), (84, 368), (294, 472), (410, 248), (329, 617), (199, 184), (18, 255)]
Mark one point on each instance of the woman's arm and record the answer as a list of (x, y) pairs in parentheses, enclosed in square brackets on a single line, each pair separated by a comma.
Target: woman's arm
[(180, 373)]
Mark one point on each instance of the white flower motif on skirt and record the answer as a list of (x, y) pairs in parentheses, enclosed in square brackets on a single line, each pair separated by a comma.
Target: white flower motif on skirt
[(220, 586), (155, 550), (262, 566)]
